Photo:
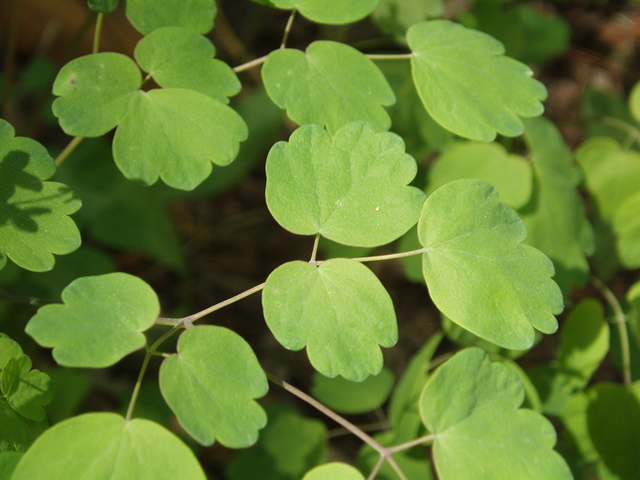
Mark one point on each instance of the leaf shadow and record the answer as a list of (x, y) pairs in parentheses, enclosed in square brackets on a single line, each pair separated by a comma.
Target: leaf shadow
[(13, 176)]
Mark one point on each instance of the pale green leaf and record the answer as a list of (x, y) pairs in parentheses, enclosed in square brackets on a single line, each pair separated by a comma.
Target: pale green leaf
[(26, 390), (211, 384), (555, 216), (509, 174), (101, 321), (34, 221), (334, 471), (16, 431), (332, 84), (8, 349), (466, 83), (478, 272), (394, 17), (95, 91), (352, 189), (472, 407), (180, 58), (149, 15), (344, 396), (626, 224), (634, 101), (340, 311), (175, 134), (102, 446), (289, 445), (8, 462), (612, 174), (333, 12)]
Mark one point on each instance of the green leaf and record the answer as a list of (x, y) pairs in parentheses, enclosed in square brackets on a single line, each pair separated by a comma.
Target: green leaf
[(148, 15), (555, 216), (331, 85), (289, 445), (333, 471), (634, 101), (339, 310), (626, 224), (353, 398), (352, 189), (333, 12), (471, 406), (34, 222), (26, 390), (510, 174), (394, 17), (202, 130), (103, 6), (478, 272), (16, 431), (180, 58), (267, 3), (8, 462), (104, 445), (8, 349), (101, 321), (612, 174), (95, 91), (211, 384), (467, 85)]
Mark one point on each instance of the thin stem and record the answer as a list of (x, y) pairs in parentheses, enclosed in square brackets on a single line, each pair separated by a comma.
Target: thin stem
[(396, 467), (378, 258), (390, 56), (329, 413), (412, 443), (28, 300), (622, 327), (150, 352), (288, 28), (68, 149), (146, 79), (376, 469), (315, 249), (251, 64), (96, 36)]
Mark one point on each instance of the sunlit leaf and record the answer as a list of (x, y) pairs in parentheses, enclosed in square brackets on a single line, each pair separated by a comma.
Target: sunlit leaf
[(331, 84), (466, 83), (334, 12), (180, 58), (103, 445), (478, 272), (211, 384), (148, 15), (351, 188), (626, 224), (333, 471), (289, 445), (634, 101), (101, 321), (509, 174), (555, 217), (340, 311), (34, 221), (26, 390), (472, 408), (345, 396)]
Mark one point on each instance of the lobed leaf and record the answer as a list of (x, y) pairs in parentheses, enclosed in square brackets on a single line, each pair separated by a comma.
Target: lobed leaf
[(34, 214), (101, 321), (177, 57), (331, 85), (211, 384), (471, 406), (466, 83), (348, 397), (478, 272), (340, 311), (511, 175), (149, 15), (332, 471), (104, 445), (8, 349), (17, 432), (334, 12), (351, 188), (26, 390), (555, 216)]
